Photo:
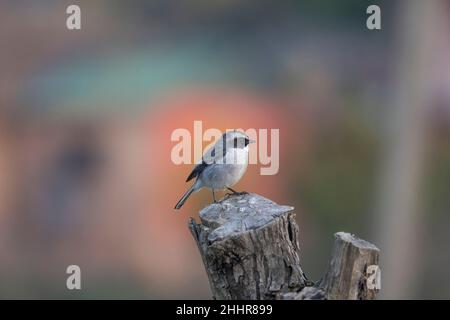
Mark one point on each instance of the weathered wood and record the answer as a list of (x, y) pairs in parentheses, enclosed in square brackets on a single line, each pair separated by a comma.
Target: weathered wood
[(347, 276), (250, 249)]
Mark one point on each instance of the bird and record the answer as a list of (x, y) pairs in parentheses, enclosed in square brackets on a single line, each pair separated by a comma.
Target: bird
[(222, 166)]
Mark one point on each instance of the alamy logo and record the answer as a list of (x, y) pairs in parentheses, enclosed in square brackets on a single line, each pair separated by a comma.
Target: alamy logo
[(183, 153), (74, 280), (374, 20), (374, 277), (73, 21)]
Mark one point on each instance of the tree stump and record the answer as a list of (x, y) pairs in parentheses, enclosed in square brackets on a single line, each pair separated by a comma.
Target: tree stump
[(250, 249), (353, 272)]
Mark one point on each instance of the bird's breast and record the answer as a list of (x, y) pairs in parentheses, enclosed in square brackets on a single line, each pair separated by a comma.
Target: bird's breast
[(228, 173)]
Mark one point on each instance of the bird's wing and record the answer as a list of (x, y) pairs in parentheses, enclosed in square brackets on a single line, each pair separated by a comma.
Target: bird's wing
[(210, 157), (216, 153), (197, 170)]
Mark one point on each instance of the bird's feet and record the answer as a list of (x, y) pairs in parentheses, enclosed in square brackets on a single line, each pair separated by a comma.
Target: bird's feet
[(235, 193), (229, 194)]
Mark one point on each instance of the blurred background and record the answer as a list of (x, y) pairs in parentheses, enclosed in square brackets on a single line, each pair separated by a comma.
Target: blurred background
[(86, 118)]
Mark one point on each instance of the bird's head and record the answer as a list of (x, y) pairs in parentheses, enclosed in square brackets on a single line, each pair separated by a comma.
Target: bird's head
[(236, 139)]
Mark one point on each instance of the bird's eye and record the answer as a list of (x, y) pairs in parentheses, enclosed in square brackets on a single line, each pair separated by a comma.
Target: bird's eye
[(247, 141), (235, 142)]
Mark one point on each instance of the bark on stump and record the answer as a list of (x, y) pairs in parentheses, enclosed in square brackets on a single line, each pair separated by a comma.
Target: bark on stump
[(250, 249)]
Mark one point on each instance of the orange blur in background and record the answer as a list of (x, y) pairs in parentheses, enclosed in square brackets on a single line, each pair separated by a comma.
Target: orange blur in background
[(86, 118)]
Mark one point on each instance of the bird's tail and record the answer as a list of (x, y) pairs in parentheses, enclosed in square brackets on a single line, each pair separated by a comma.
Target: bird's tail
[(186, 196)]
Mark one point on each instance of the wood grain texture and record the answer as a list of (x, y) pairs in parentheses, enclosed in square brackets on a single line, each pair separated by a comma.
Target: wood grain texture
[(250, 250), (347, 276)]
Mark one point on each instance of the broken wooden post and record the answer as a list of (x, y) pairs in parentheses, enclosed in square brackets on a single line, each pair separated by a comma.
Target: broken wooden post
[(353, 273), (250, 249)]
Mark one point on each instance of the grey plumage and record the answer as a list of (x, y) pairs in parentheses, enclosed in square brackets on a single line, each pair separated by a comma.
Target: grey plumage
[(222, 165)]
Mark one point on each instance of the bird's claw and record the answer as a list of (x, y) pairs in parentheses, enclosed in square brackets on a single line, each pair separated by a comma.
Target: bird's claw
[(229, 194)]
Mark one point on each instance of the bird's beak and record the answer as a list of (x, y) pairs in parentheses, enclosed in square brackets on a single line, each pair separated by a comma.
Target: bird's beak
[(251, 141)]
